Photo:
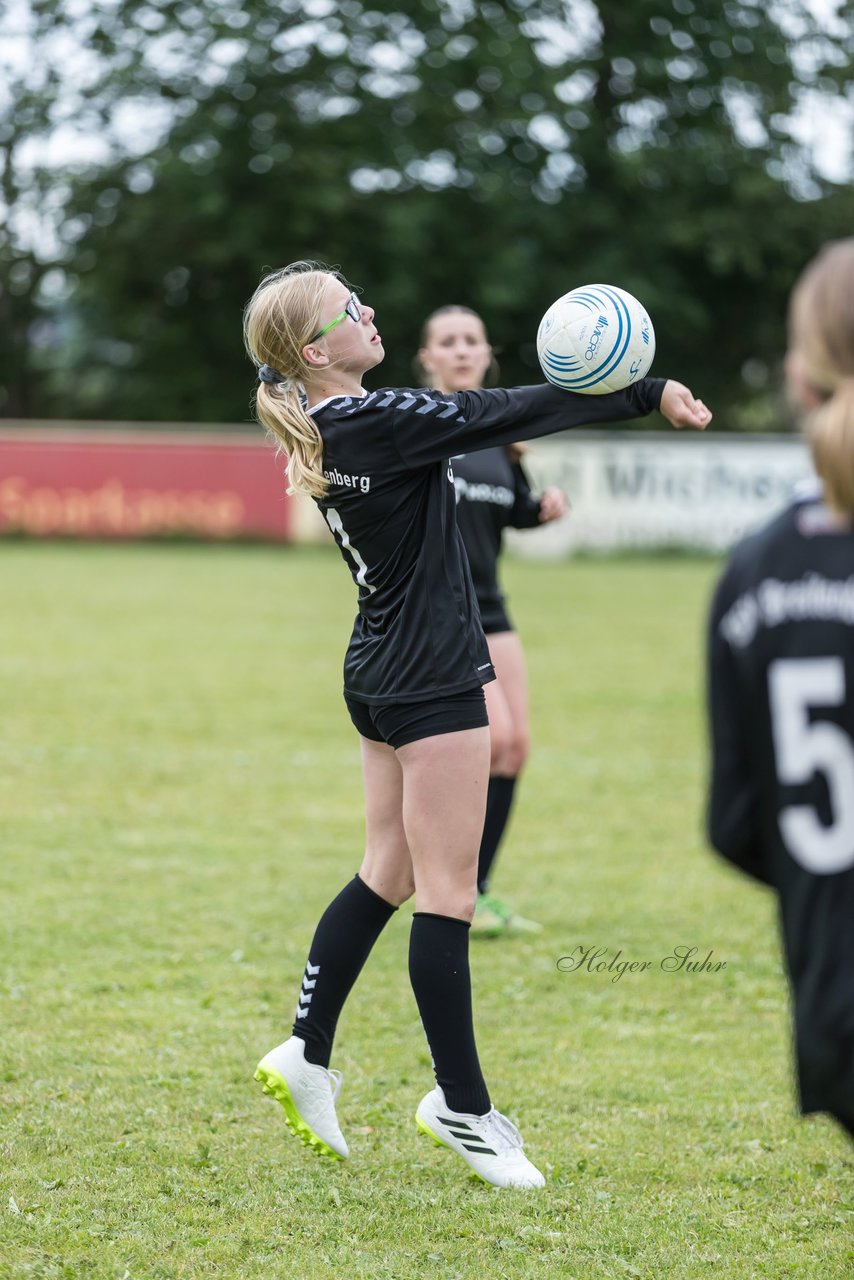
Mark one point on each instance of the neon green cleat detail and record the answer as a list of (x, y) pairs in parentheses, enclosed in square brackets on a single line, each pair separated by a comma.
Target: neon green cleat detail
[(486, 923), (307, 1094), (499, 919)]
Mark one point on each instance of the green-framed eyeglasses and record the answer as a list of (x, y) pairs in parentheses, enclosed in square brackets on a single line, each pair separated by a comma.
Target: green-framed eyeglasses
[(352, 309)]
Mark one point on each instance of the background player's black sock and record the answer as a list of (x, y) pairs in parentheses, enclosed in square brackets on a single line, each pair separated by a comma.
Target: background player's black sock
[(342, 942), (499, 802), (440, 977)]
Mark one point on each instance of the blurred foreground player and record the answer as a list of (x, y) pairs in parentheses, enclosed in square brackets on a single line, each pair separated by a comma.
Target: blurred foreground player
[(781, 696)]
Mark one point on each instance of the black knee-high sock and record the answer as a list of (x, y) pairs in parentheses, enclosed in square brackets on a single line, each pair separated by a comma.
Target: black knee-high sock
[(440, 977), (342, 942), (499, 802)]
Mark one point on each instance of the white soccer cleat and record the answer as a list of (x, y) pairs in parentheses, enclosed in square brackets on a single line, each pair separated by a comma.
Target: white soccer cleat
[(307, 1093), (490, 1144)]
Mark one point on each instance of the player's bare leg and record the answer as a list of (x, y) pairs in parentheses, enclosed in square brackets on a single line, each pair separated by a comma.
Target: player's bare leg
[(507, 703), (387, 865), (444, 799), (296, 1073)]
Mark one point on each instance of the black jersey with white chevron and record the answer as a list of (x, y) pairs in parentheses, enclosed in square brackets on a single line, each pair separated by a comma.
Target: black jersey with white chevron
[(391, 506)]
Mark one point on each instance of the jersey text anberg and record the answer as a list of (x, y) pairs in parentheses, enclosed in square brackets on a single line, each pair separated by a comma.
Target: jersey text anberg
[(349, 482)]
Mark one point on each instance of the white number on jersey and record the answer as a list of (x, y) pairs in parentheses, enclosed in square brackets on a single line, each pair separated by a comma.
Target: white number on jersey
[(802, 747), (333, 519)]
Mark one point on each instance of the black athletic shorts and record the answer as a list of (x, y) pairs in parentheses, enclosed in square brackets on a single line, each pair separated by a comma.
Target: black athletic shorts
[(398, 723)]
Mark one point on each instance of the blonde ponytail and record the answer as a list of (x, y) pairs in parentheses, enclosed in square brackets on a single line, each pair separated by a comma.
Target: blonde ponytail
[(280, 319), (296, 433), (821, 335)]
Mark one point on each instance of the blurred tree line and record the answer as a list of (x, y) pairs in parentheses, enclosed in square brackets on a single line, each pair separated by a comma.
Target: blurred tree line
[(495, 154)]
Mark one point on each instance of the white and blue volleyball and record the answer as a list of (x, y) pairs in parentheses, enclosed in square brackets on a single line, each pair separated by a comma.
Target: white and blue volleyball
[(595, 339)]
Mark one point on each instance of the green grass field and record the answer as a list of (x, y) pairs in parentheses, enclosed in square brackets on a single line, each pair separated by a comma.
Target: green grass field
[(181, 797)]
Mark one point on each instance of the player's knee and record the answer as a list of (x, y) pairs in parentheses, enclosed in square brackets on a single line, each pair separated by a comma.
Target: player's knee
[(388, 871), (448, 899), (402, 888), (458, 904), (517, 754), (396, 891), (404, 894)]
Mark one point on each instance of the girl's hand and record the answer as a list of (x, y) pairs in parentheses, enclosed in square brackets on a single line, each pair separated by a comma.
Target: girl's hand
[(553, 505), (680, 408)]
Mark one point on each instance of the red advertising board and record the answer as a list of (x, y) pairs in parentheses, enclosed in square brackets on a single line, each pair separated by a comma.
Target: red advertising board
[(70, 482)]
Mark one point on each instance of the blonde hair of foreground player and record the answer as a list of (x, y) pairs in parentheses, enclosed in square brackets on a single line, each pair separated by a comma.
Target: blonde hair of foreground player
[(820, 367), (424, 797)]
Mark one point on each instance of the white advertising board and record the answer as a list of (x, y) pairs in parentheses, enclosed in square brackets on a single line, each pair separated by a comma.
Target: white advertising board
[(640, 490)]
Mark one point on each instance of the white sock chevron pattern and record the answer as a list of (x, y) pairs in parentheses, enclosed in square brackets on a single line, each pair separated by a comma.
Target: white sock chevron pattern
[(309, 982)]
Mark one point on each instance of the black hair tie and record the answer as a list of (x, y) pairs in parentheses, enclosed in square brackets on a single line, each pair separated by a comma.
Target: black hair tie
[(268, 374)]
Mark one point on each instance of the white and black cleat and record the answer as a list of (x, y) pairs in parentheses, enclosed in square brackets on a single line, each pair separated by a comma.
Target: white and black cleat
[(490, 1144)]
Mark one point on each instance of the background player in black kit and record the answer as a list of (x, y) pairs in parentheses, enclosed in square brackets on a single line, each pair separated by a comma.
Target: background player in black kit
[(376, 463), (781, 697), (493, 494)]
